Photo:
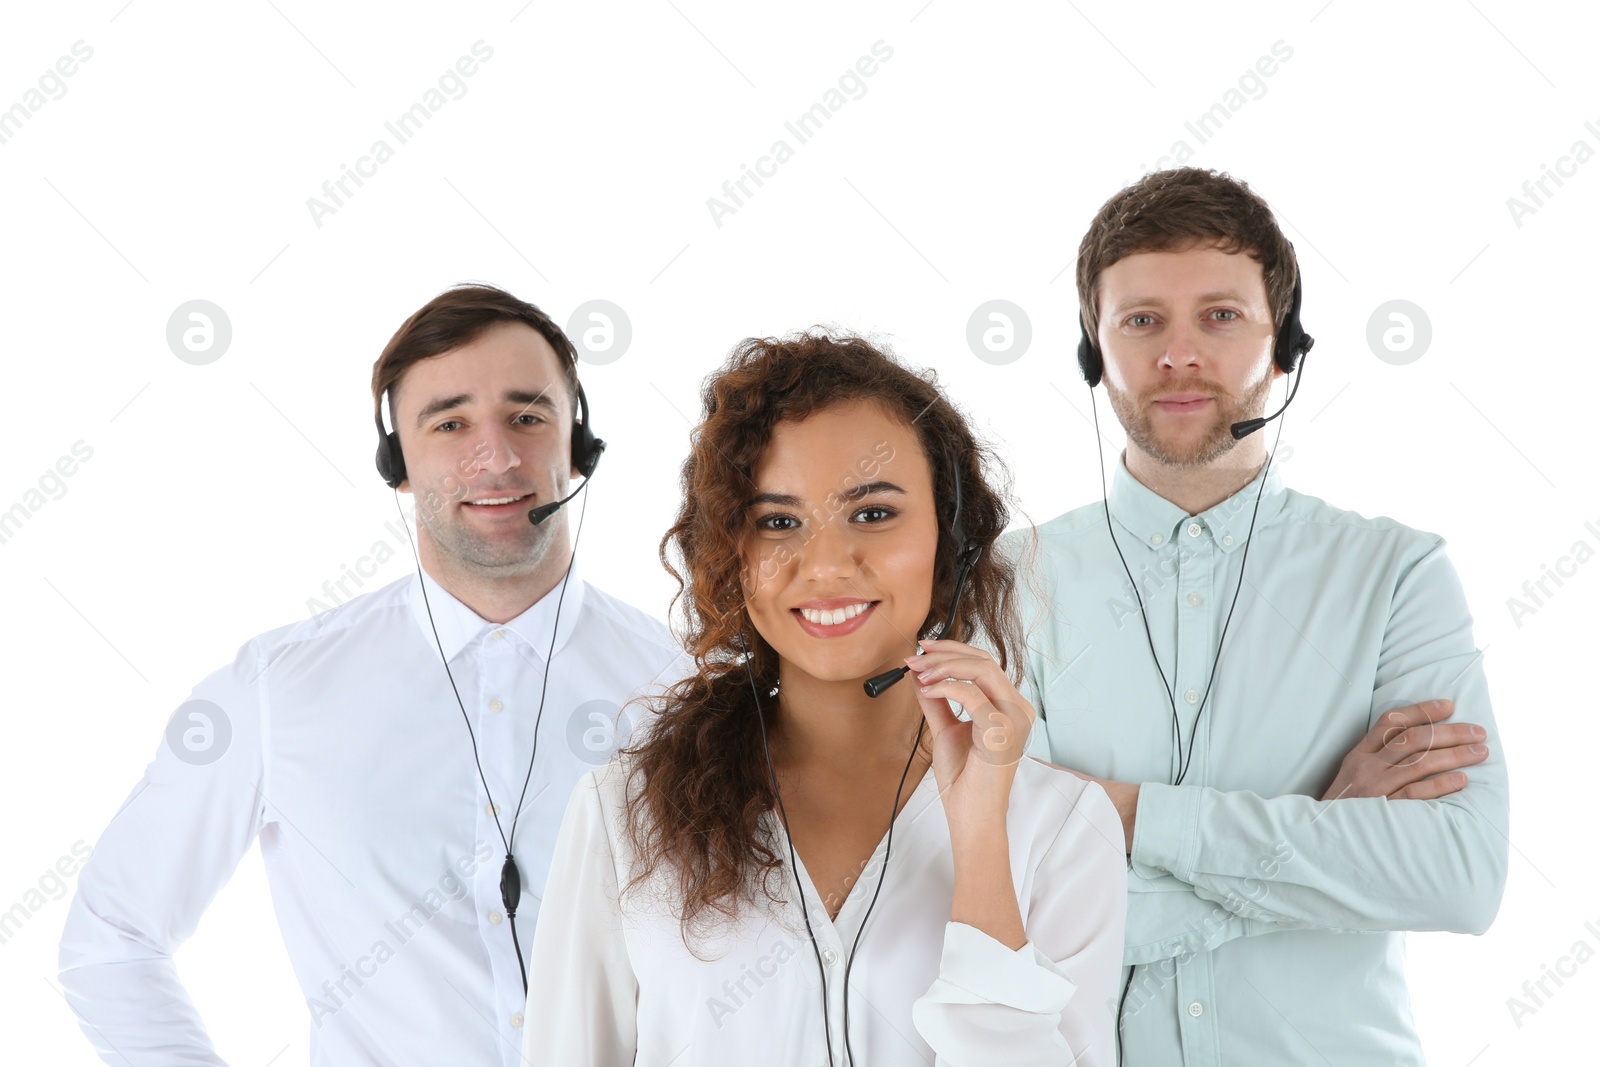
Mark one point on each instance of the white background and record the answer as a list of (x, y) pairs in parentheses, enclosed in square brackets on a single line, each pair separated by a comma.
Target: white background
[(178, 163)]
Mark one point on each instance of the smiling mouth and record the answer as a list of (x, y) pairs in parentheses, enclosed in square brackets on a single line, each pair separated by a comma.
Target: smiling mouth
[(834, 622), (492, 502), (836, 616)]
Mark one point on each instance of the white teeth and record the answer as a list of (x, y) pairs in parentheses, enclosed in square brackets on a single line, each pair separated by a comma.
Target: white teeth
[(498, 500), (835, 616)]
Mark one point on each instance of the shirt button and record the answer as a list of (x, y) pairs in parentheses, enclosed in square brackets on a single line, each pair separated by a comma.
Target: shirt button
[(1195, 1008), (495, 705), (1194, 529), (494, 809), (1195, 600), (829, 957), (1227, 539), (1191, 696), (495, 917), (498, 635), (516, 1020), (1156, 539)]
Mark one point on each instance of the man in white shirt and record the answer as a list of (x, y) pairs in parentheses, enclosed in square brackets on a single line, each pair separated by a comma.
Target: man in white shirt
[(391, 752)]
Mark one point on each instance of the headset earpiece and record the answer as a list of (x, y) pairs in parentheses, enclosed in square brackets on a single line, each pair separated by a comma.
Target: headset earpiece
[(586, 447), (391, 463), (1293, 341), (1089, 361)]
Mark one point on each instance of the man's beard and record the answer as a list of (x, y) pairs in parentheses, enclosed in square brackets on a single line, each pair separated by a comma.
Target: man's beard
[(1213, 442), (495, 556)]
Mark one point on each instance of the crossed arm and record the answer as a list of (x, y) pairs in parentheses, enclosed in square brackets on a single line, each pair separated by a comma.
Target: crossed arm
[(1408, 754), (1409, 834)]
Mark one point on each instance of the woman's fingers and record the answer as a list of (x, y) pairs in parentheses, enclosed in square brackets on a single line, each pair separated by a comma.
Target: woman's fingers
[(999, 729), (937, 711), (952, 659)]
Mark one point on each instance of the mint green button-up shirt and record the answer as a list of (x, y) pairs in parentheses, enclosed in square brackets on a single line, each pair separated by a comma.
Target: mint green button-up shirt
[(1267, 925)]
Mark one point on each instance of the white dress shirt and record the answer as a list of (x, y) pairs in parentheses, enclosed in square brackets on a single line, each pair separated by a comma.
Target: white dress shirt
[(338, 742), (614, 984)]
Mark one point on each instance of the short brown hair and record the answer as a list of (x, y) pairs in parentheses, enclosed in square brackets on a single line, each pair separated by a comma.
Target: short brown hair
[(1170, 209), (456, 317)]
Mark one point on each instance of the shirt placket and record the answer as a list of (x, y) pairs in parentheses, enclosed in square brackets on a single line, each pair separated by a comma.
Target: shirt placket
[(1197, 614), (830, 944), (493, 712), (1197, 1019)]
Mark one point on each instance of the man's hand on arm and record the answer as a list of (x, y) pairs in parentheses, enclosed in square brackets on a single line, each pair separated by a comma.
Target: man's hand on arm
[(1124, 795), (1409, 755)]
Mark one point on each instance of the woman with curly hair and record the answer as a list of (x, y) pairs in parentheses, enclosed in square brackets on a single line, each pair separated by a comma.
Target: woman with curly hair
[(713, 887)]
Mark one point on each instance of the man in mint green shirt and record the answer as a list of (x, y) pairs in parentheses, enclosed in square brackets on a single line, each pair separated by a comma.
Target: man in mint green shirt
[(1334, 779)]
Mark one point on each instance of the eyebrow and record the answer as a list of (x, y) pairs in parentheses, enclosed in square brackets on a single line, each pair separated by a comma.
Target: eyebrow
[(1203, 298), (856, 493), (541, 399)]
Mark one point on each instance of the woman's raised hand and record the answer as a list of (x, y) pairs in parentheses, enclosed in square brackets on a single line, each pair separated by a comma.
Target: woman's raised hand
[(973, 762)]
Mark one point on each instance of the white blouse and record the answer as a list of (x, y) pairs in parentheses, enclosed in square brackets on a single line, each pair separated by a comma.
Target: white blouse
[(613, 984)]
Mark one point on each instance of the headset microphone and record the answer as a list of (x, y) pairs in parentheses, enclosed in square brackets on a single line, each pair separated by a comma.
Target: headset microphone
[(544, 511), (586, 451), (966, 555), (1289, 353), (1241, 430)]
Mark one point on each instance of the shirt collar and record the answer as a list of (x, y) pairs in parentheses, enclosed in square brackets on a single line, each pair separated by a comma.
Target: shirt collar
[(1154, 521), (459, 626)]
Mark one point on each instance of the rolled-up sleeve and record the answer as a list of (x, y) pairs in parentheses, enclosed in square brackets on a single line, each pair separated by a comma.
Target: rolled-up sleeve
[(1053, 1000)]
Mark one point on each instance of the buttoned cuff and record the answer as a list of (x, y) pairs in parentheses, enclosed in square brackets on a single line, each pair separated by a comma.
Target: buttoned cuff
[(992, 973), (1166, 830)]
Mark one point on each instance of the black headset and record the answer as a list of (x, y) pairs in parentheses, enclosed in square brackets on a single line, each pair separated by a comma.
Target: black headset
[(586, 447), (1292, 343)]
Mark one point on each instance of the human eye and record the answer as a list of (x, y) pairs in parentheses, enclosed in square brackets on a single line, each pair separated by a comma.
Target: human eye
[(1141, 320), (882, 510), (1230, 314), (530, 415), (447, 422), (773, 523)]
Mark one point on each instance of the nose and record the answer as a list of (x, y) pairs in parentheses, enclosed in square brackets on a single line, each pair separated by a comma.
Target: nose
[(492, 451), (831, 553), (1182, 348)]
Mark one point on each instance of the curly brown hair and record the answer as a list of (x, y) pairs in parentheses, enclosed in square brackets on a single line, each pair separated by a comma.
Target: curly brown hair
[(1170, 209), (698, 782)]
